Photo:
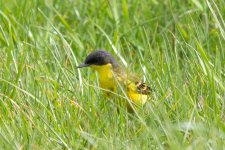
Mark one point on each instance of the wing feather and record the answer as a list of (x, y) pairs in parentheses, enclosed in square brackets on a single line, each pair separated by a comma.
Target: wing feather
[(131, 81)]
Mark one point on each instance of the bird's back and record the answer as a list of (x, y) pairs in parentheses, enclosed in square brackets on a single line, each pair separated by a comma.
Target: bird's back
[(136, 90)]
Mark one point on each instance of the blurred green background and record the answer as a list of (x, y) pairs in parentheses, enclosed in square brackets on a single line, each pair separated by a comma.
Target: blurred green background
[(177, 47)]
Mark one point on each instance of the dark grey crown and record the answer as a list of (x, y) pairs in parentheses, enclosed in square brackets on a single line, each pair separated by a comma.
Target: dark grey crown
[(99, 57)]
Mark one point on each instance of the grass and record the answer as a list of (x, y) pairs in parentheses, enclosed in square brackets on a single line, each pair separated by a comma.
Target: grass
[(46, 103)]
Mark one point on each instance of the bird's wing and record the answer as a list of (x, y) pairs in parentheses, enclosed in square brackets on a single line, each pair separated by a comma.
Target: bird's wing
[(143, 88), (132, 82)]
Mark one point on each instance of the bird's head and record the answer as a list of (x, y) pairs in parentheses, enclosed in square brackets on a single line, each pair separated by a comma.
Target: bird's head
[(99, 58)]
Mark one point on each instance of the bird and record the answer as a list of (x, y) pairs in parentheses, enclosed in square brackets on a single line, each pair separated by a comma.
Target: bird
[(111, 73)]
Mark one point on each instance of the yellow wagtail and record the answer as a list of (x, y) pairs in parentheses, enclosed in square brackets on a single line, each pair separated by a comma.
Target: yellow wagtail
[(111, 73)]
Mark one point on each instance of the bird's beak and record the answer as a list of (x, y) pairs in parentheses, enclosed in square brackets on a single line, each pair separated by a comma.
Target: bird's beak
[(83, 65)]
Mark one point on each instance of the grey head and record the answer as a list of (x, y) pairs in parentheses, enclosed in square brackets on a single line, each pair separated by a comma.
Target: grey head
[(98, 58)]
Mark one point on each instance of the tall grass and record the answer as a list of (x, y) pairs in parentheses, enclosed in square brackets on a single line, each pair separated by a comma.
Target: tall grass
[(177, 46)]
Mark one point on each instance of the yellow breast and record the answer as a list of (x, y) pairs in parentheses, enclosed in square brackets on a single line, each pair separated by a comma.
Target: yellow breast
[(106, 79)]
